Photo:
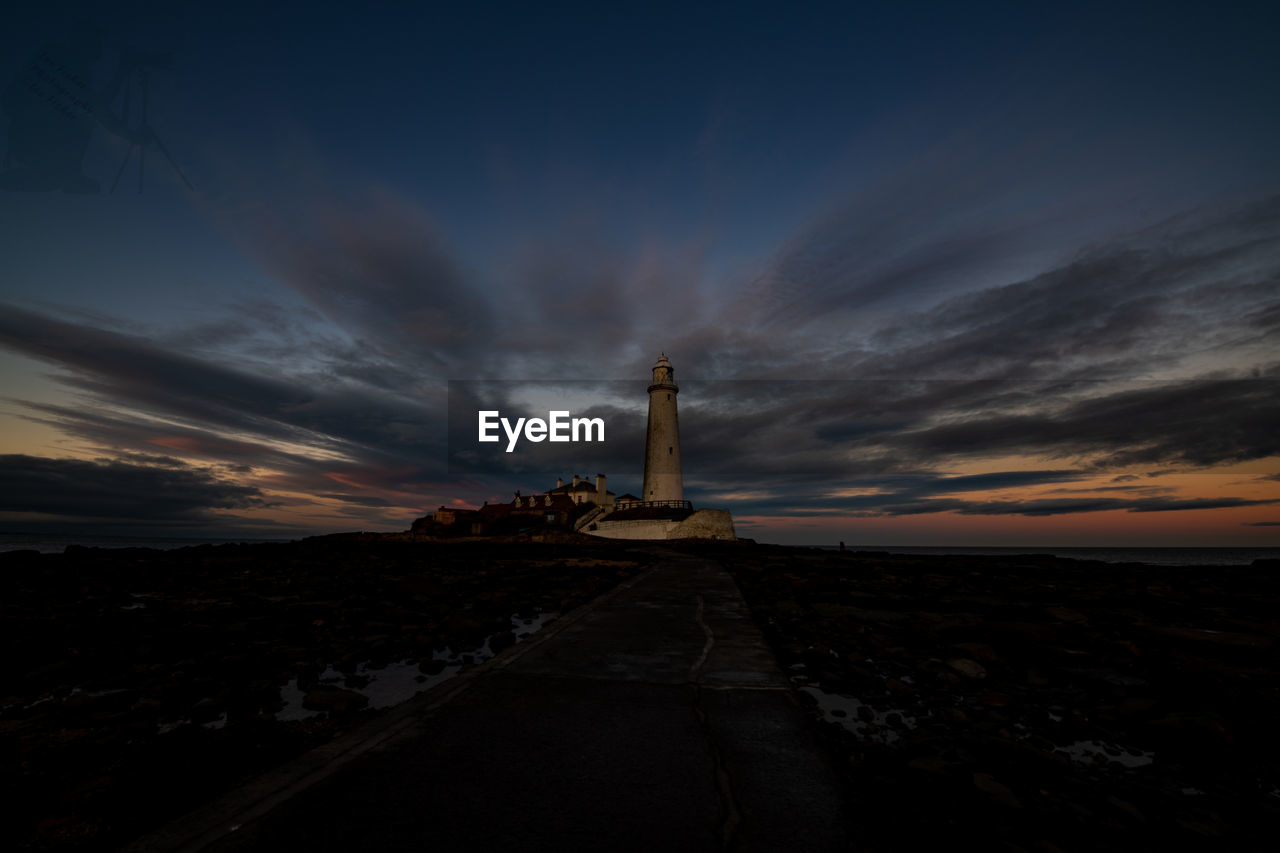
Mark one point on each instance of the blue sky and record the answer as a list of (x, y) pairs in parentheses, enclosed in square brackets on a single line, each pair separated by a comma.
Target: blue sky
[(385, 200)]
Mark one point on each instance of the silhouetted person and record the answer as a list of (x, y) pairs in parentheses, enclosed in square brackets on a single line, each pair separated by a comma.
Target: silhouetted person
[(53, 109)]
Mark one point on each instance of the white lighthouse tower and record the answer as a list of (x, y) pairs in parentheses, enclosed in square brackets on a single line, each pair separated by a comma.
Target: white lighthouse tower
[(663, 482), (662, 478)]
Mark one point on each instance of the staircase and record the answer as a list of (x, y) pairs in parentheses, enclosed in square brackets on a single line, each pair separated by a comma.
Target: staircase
[(595, 515)]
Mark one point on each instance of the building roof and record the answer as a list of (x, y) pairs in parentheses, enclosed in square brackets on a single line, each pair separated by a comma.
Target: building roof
[(459, 510), (560, 503), (583, 486)]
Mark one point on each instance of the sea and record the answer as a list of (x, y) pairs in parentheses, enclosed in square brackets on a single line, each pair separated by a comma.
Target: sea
[(1150, 556), (56, 543), (48, 543)]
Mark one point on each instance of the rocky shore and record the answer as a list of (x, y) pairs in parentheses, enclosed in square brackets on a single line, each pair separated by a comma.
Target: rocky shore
[(1010, 703), (141, 683), (1034, 703)]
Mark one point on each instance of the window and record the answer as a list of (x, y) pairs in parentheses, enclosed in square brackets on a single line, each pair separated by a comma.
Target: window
[(669, 451)]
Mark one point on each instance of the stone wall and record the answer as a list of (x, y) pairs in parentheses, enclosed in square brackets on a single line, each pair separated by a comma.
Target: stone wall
[(640, 529), (703, 524), (706, 524)]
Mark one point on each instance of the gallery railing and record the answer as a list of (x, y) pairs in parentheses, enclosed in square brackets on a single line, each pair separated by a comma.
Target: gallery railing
[(663, 504)]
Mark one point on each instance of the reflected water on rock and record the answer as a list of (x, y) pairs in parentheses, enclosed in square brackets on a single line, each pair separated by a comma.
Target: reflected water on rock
[(858, 717), (396, 682)]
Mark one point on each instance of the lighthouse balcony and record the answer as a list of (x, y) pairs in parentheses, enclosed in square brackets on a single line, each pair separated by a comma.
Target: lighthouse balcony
[(638, 504), (637, 510)]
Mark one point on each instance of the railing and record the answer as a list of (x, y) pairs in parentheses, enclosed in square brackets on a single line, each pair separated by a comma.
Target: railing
[(664, 504), (590, 517)]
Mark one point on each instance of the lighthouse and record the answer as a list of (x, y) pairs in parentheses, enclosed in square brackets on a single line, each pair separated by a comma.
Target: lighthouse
[(661, 512), (662, 478)]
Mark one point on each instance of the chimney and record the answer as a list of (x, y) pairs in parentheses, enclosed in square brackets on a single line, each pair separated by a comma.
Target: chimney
[(559, 482), (600, 490), (575, 480)]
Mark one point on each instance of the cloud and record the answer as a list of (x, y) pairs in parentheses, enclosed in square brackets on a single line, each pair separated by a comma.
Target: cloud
[(118, 490), (140, 395), (1150, 351), (378, 267), (362, 500), (882, 507), (1169, 296), (1198, 423), (382, 271), (1193, 294)]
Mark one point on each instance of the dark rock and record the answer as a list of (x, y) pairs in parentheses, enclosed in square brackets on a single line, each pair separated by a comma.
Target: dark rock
[(995, 791), (968, 668), (335, 700), (1193, 729), (978, 651), (899, 688), (500, 641), (432, 666), (207, 710), (355, 681), (931, 765), (1065, 614), (1138, 707)]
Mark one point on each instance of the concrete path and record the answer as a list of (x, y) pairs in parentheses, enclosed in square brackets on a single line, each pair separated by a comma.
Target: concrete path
[(653, 719)]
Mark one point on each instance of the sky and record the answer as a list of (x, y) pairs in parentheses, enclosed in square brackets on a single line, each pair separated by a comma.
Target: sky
[(929, 274)]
